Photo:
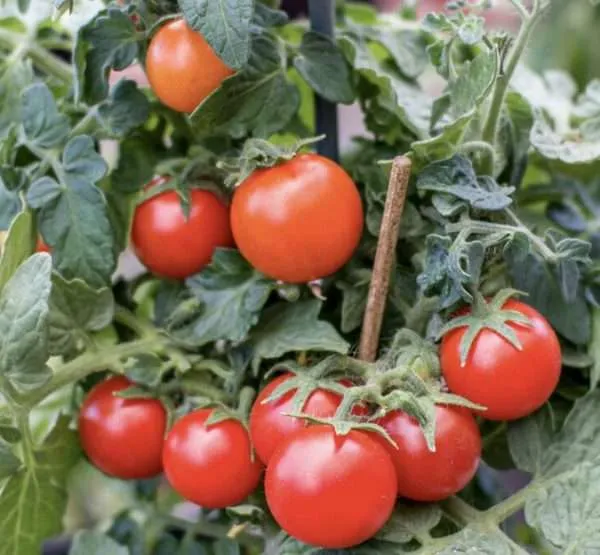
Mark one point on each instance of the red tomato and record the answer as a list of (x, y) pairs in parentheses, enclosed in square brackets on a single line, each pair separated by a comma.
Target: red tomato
[(182, 68), (171, 245), (269, 425), (298, 221), (331, 491), (122, 437), (210, 465), (511, 383), (432, 476), (41, 246)]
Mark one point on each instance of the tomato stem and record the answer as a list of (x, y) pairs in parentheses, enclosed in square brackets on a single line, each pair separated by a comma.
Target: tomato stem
[(386, 247)]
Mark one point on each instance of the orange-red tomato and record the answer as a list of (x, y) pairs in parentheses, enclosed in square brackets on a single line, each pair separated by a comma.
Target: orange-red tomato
[(172, 246), (298, 221), (122, 437), (210, 465), (425, 475), (181, 66), (41, 246), (510, 382)]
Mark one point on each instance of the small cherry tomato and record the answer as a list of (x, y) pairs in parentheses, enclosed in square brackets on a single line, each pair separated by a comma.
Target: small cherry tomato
[(181, 66), (172, 246), (331, 491), (511, 383), (298, 221), (424, 475), (269, 424), (122, 437), (210, 465)]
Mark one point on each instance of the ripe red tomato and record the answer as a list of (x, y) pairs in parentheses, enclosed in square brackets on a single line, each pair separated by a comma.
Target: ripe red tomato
[(424, 475), (171, 245), (181, 66), (122, 437), (41, 246), (298, 221), (269, 425), (511, 383), (331, 491), (210, 465)]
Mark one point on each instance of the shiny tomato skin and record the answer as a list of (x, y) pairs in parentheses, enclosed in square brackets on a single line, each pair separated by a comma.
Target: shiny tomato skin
[(172, 246), (429, 476), (511, 383), (330, 491), (182, 68), (122, 437), (298, 221), (269, 425), (210, 466)]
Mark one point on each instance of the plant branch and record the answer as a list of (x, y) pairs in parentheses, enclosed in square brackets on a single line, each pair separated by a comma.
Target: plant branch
[(384, 258)]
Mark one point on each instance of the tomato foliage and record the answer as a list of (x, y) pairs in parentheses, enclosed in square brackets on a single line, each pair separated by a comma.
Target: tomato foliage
[(261, 257)]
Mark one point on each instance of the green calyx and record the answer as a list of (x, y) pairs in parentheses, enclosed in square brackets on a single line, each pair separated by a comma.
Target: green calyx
[(487, 315)]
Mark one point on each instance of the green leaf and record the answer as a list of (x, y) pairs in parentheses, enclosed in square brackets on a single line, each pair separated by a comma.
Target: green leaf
[(258, 100), (225, 26), (33, 501), (594, 349), (126, 108), (137, 160), (226, 547), (109, 41), (470, 540), (75, 310), (76, 224), (9, 463), (10, 206), (284, 328), (42, 191), (456, 178), (93, 543), (18, 246), (14, 78), (24, 324), (43, 124), (410, 522), (231, 295), (323, 66)]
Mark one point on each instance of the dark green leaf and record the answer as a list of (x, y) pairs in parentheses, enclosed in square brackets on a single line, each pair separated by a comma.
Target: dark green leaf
[(145, 369), (456, 177), (226, 547), (44, 125), (231, 295), (9, 463), (24, 324), (34, 500), (409, 522), (324, 67), (125, 109), (107, 42), (258, 100), (18, 246), (264, 16), (284, 328), (94, 543), (76, 223), (225, 25), (42, 191), (137, 161), (75, 310)]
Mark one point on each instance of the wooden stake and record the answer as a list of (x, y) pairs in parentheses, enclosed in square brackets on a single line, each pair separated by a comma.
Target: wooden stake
[(384, 258)]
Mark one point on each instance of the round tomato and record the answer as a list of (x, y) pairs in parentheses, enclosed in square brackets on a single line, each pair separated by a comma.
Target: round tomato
[(511, 383), (210, 465), (298, 221), (122, 437), (171, 245), (41, 246), (424, 475), (181, 66), (269, 424), (331, 491)]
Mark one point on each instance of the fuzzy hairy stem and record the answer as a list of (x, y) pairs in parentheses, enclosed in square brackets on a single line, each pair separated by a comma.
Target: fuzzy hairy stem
[(384, 258)]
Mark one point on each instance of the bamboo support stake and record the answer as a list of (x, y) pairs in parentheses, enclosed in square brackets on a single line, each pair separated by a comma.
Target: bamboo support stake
[(384, 258)]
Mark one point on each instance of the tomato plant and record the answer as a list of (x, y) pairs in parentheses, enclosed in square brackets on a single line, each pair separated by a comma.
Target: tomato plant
[(298, 221), (424, 475), (330, 491), (122, 437), (392, 210), (210, 464), (172, 244)]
